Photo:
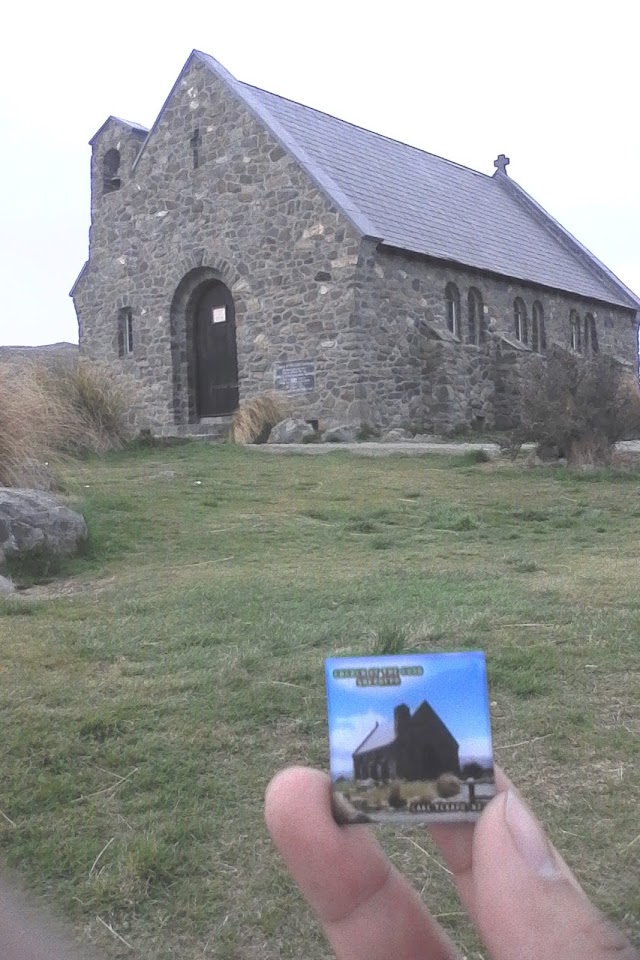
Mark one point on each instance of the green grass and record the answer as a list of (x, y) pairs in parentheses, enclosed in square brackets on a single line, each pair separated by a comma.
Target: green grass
[(148, 696)]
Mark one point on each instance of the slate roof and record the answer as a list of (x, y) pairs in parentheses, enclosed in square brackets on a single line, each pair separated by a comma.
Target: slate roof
[(419, 202), (416, 201)]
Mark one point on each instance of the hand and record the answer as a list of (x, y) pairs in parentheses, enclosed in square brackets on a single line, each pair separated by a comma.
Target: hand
[(519, 893)]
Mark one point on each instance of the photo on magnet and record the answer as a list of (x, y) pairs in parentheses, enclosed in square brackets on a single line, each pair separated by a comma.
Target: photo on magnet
[(409, 738)]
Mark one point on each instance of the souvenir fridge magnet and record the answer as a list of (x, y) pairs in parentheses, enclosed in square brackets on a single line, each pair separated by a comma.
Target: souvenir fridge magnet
[(409, 738)]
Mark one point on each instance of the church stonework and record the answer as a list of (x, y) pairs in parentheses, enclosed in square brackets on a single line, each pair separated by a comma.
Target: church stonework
[(222, 252)]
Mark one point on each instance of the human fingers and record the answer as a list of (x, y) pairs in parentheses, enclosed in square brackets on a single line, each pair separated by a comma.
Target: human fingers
[(455, 843), (527, 905), (367, 909)]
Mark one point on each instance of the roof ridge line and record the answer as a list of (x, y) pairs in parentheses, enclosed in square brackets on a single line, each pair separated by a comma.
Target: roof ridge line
[(375, 133), (126, 123), (152, 128), (368, 736), (335, 194), (588, 259)]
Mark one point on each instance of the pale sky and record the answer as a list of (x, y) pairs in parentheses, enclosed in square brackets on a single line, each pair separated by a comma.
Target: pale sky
[(554, 85)]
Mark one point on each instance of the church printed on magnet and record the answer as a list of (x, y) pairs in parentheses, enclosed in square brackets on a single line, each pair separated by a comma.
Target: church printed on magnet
[(409, 737)]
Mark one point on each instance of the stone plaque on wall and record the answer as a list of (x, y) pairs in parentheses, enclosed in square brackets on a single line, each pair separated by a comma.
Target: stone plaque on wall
[(295, 376)]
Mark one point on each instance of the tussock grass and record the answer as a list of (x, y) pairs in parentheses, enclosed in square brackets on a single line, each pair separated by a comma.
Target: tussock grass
[(52, 410), (254, 419)]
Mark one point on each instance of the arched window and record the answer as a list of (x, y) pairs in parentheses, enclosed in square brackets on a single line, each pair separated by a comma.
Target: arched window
[(520, 320), (590, 335), (476, 316), (452, 304), (110, 169), (576, 338), (538, 334)]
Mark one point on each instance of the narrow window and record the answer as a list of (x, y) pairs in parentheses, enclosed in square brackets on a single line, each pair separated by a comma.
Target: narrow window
[(110, 171), (125, 332), (476, 316), (538, 335), (576, 338), (590, 335), (452, 303), (576, 335), (196, 143), (520, 320)]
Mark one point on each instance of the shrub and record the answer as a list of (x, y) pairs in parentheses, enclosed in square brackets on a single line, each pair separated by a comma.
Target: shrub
[(580, 405), (254, 419), (472, 771), (395, 799), (315, 437), (367, 432), (53, 410), (92, 408), (447, 785)]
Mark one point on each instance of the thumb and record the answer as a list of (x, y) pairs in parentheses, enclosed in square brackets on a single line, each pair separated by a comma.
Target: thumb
[(527, 903)]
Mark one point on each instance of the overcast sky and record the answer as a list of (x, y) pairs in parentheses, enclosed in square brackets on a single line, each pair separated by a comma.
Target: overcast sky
[(552, 85)]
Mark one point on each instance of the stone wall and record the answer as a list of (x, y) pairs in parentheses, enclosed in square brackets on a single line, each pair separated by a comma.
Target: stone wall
[(415, 370), (248, 215)]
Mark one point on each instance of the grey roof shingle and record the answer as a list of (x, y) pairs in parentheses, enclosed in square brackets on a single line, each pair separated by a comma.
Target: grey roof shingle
[(419, 202)]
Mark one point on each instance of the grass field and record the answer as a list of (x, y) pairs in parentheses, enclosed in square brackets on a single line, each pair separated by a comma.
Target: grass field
[(148, 697)]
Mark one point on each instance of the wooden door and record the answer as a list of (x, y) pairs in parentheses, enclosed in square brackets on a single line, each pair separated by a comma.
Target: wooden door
[(216, 362)]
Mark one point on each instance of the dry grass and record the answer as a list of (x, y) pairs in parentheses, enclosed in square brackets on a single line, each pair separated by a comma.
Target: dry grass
[(254, 419), (52, 410), (390, 793)]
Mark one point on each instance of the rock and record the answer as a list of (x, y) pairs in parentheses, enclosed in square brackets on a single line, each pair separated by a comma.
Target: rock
[(6, 587), (290, 431), (424, 438), (33, 522), (392, 436), (344, 433)]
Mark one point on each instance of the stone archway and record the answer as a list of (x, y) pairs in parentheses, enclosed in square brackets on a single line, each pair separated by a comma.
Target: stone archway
[(192, 295)]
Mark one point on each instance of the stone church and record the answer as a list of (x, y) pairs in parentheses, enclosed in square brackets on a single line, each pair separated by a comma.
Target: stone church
[(247, 243), (416, 747)]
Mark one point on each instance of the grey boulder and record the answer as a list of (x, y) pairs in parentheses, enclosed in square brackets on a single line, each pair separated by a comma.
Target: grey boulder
[(290, 431), (344, 433), (6, 587), (33, 522), (392, 436)]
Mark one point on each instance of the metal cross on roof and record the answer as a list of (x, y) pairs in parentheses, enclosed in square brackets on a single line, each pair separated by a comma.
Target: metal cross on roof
[(501, 164)]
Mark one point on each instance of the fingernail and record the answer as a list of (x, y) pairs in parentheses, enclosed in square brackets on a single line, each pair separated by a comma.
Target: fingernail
[(529, 839)]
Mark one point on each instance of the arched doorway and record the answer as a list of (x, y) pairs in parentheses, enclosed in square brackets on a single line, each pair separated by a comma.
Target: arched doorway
[(214, 350)]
